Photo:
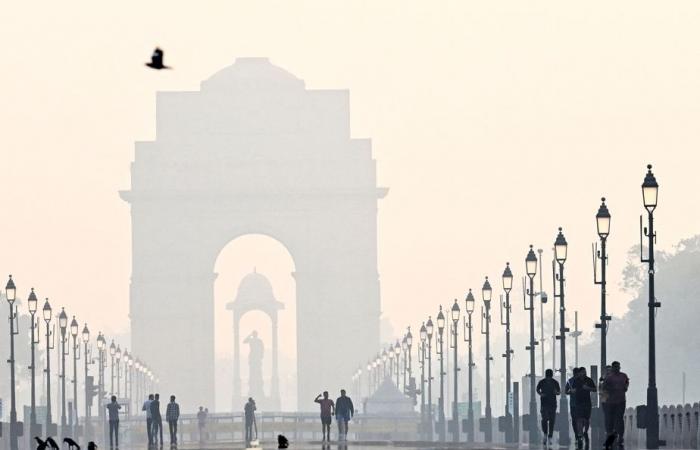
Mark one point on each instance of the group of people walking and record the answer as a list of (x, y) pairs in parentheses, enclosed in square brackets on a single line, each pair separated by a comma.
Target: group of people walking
[(343, 410), (154, 420), (612, 388)]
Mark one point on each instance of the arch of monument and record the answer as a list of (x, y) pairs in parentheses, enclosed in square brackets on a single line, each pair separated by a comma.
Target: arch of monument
[(253, 151)]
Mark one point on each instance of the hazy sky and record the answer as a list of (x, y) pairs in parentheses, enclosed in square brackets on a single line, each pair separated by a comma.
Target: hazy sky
[(492, 123)]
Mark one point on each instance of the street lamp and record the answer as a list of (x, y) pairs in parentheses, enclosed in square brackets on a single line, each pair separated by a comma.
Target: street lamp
[(76, 356), (531, 270), (63, 325), (404, 349), (397, 353), (118, 357), (602, 219), (409, 345), (441, 402), (469, 307), (507, 279), (429, 328), (11, 295), (112, 352), (88, 395), (485, 323), (560, 253), (650, 195), (46, 311), (32, 304), (455, 411), (423, 334)]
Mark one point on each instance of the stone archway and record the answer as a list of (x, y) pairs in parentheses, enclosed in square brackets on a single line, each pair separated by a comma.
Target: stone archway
[(253, 152)]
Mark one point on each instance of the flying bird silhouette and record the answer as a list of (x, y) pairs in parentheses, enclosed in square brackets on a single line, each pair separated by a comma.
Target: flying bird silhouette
[(41, 445), (71, 443), (282, 442), (51, 443), (157, 60)]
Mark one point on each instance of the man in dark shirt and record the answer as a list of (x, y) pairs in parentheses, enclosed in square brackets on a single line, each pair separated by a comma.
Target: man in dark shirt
[(327, 407), (548, 389), (344, 410), (568, 390), (157, 421), (249, 412), (583, 385), (616, 384), (113, 409)]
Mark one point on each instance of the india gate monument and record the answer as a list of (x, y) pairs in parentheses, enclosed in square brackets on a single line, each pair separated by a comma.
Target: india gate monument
[(253, 152)]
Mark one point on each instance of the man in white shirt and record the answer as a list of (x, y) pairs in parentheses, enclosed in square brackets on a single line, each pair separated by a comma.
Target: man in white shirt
[(149, 421)]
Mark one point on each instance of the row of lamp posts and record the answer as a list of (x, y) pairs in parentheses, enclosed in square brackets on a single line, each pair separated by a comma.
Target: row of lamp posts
[(603, 218)]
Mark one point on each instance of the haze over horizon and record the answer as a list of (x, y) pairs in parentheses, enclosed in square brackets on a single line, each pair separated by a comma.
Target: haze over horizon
[(491, 124)]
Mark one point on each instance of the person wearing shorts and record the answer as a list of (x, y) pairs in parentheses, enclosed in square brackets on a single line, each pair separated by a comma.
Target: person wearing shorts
[(327, 411), (582, 387)]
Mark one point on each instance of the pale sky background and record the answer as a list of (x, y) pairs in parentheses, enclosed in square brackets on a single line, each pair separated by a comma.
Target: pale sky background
[(492, 123)]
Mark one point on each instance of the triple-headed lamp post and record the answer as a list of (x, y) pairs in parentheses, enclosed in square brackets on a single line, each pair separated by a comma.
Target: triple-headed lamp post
[(650, 195), (455, 411), (560, 253), (485, 329), (469, 307)]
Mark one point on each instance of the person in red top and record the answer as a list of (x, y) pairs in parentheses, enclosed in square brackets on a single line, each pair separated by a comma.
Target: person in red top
[(327, 411), (616, 384)]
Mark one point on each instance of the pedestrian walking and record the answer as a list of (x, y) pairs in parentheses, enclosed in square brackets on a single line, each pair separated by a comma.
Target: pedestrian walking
[(616, 385), (548, 388), (149, 421), (327, 410), (603, 398), (582, 387), (172, 414), (344, 411), (157, 420), (569, 390), (113, 414), (249, 412), (201, 423)]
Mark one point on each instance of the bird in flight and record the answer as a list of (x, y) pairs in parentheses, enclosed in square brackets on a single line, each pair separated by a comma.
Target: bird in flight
[(157, 60)]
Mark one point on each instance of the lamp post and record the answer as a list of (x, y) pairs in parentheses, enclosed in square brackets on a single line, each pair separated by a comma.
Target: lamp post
[(112, 352), (409, 346), (421, 360), (602, 219), (63, 325), (469, 307), (560, 251), (32, 303), (86, 356), (650, 195), (485, 323), (531, 270), (507, 279), (46, 311), (76, 357), (397, 354), (11, 295), (101, 345), (429, 328), (385, 357), (118, 357), (455, 411), (441, 402)]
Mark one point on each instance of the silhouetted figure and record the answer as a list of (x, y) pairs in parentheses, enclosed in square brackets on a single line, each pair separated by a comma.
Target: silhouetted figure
[(201, 423), (344, 410), (92, 446), (582, 388), (206, 417), (603, 397), (149, 421), (41, 445), (548, 389), (157, 60), (569, 390), (327, 410), (71, 444), (113, 409), (249, 412), (255, 358), (616, 384), (157, 420), (172, 414), (51, 443), (282, 442)]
